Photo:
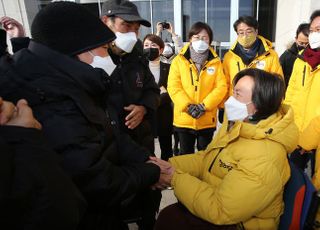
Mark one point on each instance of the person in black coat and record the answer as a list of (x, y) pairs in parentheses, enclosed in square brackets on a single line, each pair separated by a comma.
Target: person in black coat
[(288, 58), (153, 48), (68, 96), (135, 93), (35, 193)]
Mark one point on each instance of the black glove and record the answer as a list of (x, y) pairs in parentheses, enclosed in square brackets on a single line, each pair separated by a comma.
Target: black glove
[(201, 110), (192, 110)]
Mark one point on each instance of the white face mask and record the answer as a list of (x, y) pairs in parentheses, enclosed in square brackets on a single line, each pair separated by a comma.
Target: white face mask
[(104, 63), (236, 111), (314, 40), (200, 46), (126, 41), (167, 51)]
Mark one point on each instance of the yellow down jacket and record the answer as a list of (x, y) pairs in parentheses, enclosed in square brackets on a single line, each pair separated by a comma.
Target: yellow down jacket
[(310, 139), (187, 86), (303, 93), (267, 60), (240, 177)]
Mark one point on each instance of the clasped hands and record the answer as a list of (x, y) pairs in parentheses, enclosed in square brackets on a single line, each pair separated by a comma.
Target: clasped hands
[(196, 110), (167, 171)]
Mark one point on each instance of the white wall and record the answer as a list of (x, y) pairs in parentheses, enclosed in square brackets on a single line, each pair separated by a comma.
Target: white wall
[(290, 13)]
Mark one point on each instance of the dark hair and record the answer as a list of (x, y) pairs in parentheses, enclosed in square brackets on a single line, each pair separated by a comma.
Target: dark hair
[(197, 27), (303, 28), (315, 14), (155, 39), (267, 93), (248, 20)]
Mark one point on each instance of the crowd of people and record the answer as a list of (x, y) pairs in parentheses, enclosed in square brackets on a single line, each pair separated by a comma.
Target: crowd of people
[(83, 99)]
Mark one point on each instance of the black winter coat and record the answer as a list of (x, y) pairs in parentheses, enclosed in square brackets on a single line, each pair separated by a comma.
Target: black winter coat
[(35, 193), (68, 97), (287, 60), (133, 83)]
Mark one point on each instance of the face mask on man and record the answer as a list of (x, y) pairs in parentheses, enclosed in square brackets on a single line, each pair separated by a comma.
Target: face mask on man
[(236, 110), (314, 40), (247, 40), (200, 46), (126, 41), (151, 53), (104, 63), (299, 47)]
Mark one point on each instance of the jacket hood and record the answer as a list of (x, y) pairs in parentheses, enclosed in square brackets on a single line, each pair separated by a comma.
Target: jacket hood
[(278, 127)]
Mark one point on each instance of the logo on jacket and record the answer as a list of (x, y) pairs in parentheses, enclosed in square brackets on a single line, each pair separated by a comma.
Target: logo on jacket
[(225, 165), (211, 70), (261, 65), (139, 82)]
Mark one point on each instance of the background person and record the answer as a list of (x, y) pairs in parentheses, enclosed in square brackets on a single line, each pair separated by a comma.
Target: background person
[(134, 93), (288, 58), (239, 179), (153, 48), (196, 85), (303, 90), (249, 51)]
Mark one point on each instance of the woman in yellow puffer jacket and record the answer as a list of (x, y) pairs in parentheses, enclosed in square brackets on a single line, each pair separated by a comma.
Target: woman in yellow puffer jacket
[(239, 179), (196, 85)]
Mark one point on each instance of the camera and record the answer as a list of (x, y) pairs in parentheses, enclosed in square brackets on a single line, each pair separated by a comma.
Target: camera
[(165, 25)]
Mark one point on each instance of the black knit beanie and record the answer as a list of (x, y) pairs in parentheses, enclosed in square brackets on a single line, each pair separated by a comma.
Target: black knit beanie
[(69, 28)]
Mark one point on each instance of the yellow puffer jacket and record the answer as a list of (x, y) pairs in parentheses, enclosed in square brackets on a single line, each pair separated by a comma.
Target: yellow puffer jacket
[(310, 139), (267, 60), (303, 93), (186, 86), (240, 177)]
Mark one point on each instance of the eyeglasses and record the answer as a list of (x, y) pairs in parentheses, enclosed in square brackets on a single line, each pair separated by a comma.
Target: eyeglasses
[(245, 32), (304, 44)]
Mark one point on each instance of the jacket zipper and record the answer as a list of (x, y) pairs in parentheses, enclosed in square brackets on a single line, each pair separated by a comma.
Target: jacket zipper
[(191, 76), (211, 165), (304, 75), (238, 66)]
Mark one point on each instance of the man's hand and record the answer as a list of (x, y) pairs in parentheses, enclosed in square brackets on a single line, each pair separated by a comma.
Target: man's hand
[(13, 28), (135, 116), (20, 115), (163, 90)]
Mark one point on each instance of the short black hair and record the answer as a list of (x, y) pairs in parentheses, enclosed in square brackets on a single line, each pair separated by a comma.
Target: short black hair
[(315, 14), (197, 27), (155, 39), (303, 28), (268, 91), (248, 20)]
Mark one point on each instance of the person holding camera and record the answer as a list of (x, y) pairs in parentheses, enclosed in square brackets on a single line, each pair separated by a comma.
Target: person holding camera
[(166, 32), (196, 86)]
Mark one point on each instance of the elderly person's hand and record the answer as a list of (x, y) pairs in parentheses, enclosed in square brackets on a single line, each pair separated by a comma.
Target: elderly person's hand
[(167, 171), (12, 27)]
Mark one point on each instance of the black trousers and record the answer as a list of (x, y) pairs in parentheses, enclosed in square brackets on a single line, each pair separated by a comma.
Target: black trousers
[(165, 142), (176, 217), (188, 137)]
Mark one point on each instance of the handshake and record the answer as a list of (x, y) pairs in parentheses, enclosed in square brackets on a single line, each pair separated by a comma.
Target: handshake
[(196, 110), (167, 171)]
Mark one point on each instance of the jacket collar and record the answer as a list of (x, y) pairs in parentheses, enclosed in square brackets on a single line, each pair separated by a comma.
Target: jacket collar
[(88, 78)]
